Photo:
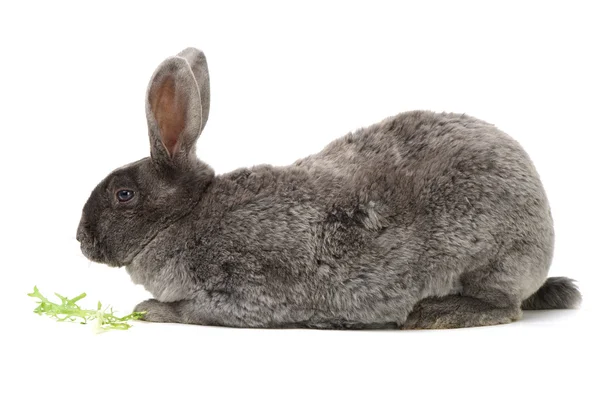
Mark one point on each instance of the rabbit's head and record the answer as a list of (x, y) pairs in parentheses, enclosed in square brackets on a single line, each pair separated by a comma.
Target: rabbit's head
[(135, 202)]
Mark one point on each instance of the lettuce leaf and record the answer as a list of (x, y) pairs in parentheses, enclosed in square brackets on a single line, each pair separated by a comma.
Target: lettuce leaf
[(69, 310)]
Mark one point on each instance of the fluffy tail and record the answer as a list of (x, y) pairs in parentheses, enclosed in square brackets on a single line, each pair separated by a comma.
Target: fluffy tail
[(554, 293)]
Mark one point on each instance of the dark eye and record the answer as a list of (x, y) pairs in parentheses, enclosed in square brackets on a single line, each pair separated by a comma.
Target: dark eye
[(124, 195)]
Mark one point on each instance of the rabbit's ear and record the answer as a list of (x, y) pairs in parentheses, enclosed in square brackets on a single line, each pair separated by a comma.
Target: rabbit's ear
[(174, 108)]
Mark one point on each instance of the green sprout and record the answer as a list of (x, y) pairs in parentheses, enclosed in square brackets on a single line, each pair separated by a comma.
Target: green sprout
[(68, 310)]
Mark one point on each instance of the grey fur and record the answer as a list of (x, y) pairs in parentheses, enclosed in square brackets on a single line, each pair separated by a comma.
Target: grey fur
[(423, 220)]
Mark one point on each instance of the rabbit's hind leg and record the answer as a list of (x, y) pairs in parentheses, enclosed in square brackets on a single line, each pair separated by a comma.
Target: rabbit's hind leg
[(456, 311), (490, 295)]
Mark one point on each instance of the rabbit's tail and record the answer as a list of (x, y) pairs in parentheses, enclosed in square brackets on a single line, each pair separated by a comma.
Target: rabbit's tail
[(555, 293)]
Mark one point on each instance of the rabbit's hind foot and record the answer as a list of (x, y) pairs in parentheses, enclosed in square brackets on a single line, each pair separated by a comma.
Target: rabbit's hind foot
[(456, 311)]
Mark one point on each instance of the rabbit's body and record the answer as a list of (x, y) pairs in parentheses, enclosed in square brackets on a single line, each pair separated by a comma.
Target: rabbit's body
[(421, 221)]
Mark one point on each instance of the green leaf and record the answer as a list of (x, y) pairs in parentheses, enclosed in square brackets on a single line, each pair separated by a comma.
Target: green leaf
[(69, 311)]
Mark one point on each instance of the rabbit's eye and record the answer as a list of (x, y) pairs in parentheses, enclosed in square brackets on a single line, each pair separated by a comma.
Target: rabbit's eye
[(124, 195)]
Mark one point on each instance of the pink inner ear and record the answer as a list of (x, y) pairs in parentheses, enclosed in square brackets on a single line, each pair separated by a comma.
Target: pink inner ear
[(169, 108)]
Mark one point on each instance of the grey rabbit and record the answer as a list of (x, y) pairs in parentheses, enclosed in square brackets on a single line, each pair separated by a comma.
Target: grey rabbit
[(422, 221)]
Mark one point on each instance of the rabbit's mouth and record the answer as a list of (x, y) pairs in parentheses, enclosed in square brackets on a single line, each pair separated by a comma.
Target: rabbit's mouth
[(93, 249), (94, 253)]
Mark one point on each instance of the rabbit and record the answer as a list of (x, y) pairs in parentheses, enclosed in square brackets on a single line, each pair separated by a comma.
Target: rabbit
[(421, 221)]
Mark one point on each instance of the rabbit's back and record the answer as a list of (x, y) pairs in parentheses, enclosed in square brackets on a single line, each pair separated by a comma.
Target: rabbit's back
[(419, 151)]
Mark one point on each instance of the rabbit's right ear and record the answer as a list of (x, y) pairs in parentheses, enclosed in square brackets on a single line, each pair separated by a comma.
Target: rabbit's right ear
[(177, 104)]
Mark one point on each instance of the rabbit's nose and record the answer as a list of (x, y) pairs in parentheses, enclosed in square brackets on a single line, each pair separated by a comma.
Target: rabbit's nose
[(79, 235), (81, 232)]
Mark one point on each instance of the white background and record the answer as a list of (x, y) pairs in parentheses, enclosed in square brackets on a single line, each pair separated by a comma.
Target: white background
[(285, 81)]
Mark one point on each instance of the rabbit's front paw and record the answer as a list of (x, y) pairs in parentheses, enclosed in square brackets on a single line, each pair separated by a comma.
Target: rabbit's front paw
[(156, 311)]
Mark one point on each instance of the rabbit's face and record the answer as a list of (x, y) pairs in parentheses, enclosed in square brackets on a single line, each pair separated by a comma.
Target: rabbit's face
[(115, 219), (132, 205)]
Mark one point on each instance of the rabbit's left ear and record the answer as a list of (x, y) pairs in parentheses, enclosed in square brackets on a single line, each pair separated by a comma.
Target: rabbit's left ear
[(176, 108)]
